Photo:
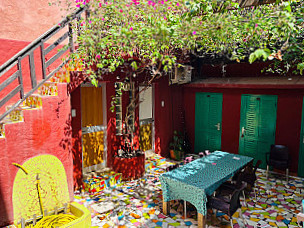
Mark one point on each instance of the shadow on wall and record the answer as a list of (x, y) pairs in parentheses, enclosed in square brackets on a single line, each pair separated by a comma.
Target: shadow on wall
[(93, 148), (65, 142), (77, 161), (3, 215)]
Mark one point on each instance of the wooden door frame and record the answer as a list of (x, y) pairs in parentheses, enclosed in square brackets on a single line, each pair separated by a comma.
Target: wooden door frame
[(102, 128), (153, 115)]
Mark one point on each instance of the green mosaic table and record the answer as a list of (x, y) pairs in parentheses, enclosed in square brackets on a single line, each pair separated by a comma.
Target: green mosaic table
[(197, 179)]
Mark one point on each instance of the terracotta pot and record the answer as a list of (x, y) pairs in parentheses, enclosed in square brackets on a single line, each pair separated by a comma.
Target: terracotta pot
[(130, 168), (175, 155), (172, 154)]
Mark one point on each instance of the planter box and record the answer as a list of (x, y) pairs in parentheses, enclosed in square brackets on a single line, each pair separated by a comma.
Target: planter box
[(130, 168)]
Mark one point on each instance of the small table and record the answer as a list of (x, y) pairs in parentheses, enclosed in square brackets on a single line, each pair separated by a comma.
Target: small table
[(195, 180)]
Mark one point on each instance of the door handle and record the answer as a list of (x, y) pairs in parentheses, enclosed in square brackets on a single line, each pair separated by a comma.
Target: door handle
[(218, 125), (243, 131)]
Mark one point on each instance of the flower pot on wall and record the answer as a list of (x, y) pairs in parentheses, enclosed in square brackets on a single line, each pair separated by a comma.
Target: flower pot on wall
[(130, 168)]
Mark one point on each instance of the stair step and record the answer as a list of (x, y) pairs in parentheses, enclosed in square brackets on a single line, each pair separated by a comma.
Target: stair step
[(62, 76), (15, 116), (2, 132), (32, 102), (48, 89)]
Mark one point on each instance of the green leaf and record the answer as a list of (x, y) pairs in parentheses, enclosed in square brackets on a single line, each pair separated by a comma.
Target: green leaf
[(94, 82), (300, 67)]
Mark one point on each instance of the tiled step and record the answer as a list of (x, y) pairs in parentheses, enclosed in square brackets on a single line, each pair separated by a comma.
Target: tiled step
[(15, 116), (48, 89), (32, 102), (63, 75), (2, 132)]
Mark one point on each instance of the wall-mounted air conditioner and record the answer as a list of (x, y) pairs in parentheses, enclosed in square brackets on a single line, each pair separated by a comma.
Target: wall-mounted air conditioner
[(181, 75)]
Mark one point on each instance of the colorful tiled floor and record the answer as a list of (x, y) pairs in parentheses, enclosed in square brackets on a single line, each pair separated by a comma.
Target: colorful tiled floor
[(139, 204)]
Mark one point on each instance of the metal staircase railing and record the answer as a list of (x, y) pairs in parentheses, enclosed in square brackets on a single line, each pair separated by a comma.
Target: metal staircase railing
[(28, 51)]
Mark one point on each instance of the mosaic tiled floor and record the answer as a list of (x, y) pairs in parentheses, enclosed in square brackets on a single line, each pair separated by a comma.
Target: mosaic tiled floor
[(139, 204)]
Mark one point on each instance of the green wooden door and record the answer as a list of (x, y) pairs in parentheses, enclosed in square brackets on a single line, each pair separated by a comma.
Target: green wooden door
[(301, 152), (208, 121), (257, 125)]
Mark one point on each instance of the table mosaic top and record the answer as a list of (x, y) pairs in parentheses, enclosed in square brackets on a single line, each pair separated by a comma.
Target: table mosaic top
[(193, 181)]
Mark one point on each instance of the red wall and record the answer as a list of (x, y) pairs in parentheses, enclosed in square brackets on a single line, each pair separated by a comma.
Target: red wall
[(289, 112), (168, 118), (44, 131)]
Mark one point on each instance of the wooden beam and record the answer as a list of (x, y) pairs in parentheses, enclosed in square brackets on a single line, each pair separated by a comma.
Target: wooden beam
[(249, 3)]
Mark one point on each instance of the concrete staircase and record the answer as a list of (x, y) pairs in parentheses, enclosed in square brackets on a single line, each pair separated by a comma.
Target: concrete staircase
[(38, 99)]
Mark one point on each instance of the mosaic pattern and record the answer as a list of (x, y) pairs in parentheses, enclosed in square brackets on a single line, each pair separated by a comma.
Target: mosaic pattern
[(62, 76), (139, 204), (2, 131), (194, 181), (33, 102), (48, 89), (53, 185), (16, 115)]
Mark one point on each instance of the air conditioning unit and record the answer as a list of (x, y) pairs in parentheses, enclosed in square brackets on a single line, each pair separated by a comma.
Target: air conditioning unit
[(181, 75)]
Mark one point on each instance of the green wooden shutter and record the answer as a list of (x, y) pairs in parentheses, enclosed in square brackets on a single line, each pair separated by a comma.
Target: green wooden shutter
[(215, 122), (258, 117), (301, 152), (248, 135), (208, 121), (266, 126), (201, 115)]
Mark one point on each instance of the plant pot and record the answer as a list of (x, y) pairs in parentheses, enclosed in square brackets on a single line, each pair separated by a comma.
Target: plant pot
[(130, 168), (175, 155)]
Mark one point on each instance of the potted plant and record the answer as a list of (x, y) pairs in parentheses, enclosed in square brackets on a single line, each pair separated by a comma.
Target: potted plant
[(176, 146)]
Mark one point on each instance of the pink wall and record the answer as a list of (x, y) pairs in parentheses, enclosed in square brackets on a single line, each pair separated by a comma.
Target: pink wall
[(44, 131), (289, 112), (27, 20)]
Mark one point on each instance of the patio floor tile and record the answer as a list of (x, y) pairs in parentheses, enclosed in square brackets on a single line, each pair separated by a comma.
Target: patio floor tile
[(139, 204)]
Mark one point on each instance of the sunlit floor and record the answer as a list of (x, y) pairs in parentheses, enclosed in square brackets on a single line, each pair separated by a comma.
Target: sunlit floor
[(139, 204)]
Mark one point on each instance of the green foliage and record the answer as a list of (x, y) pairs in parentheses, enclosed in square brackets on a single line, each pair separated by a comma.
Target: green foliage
[(300, 67), (257, 54), (156, 35)]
